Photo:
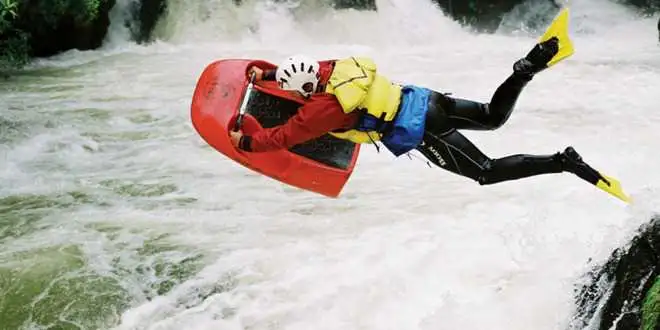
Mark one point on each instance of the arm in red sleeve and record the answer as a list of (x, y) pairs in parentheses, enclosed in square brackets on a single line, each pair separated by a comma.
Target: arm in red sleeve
[(320, 115)]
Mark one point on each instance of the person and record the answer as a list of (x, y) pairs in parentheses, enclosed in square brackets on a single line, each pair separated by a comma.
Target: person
[(349, 99)]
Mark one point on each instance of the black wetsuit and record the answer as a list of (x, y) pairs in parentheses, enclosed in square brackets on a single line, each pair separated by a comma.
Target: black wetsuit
[(446, 147), (443, 145)]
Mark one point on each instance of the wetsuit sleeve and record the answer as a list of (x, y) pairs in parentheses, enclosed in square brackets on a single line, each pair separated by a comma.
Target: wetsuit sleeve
[(319, 116)]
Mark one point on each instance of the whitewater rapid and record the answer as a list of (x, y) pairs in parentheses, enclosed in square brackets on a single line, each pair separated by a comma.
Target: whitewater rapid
[(121, 217)]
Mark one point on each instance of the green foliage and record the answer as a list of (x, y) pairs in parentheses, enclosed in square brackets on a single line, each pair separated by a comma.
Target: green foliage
[(13, 51), (20, 20), (651, 307), (8, 11), (83, 11), (13, 43)]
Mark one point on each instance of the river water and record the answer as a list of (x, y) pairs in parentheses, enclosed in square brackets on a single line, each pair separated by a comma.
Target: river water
[(114, 213)]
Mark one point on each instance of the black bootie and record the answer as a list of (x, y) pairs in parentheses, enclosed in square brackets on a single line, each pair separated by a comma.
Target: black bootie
[(572, 162), (537, 59)]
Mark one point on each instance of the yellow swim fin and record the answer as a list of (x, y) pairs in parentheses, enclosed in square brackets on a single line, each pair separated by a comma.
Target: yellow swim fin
[(559, 29), (613, 187)]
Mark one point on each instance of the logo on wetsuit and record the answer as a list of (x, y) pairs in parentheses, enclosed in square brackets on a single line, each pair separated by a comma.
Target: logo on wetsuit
[(435, 153)]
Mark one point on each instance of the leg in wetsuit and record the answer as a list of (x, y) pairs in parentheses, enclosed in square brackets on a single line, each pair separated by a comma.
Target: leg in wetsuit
[(446, 147)]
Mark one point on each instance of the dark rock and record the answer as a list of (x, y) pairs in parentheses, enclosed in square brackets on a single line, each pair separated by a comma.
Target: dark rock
[(341, 4), (646, 6), (356, 4), (618, 288), (146, 15), (56, 26), (483, 15)]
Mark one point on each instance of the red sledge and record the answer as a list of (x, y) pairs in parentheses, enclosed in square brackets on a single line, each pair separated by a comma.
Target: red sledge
[(322, 165)]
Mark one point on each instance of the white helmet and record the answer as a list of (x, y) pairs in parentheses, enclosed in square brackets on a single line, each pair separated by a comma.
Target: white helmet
[(298, 73)]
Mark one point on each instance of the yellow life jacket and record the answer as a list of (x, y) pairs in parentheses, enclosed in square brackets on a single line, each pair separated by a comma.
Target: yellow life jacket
[(357, 86)]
